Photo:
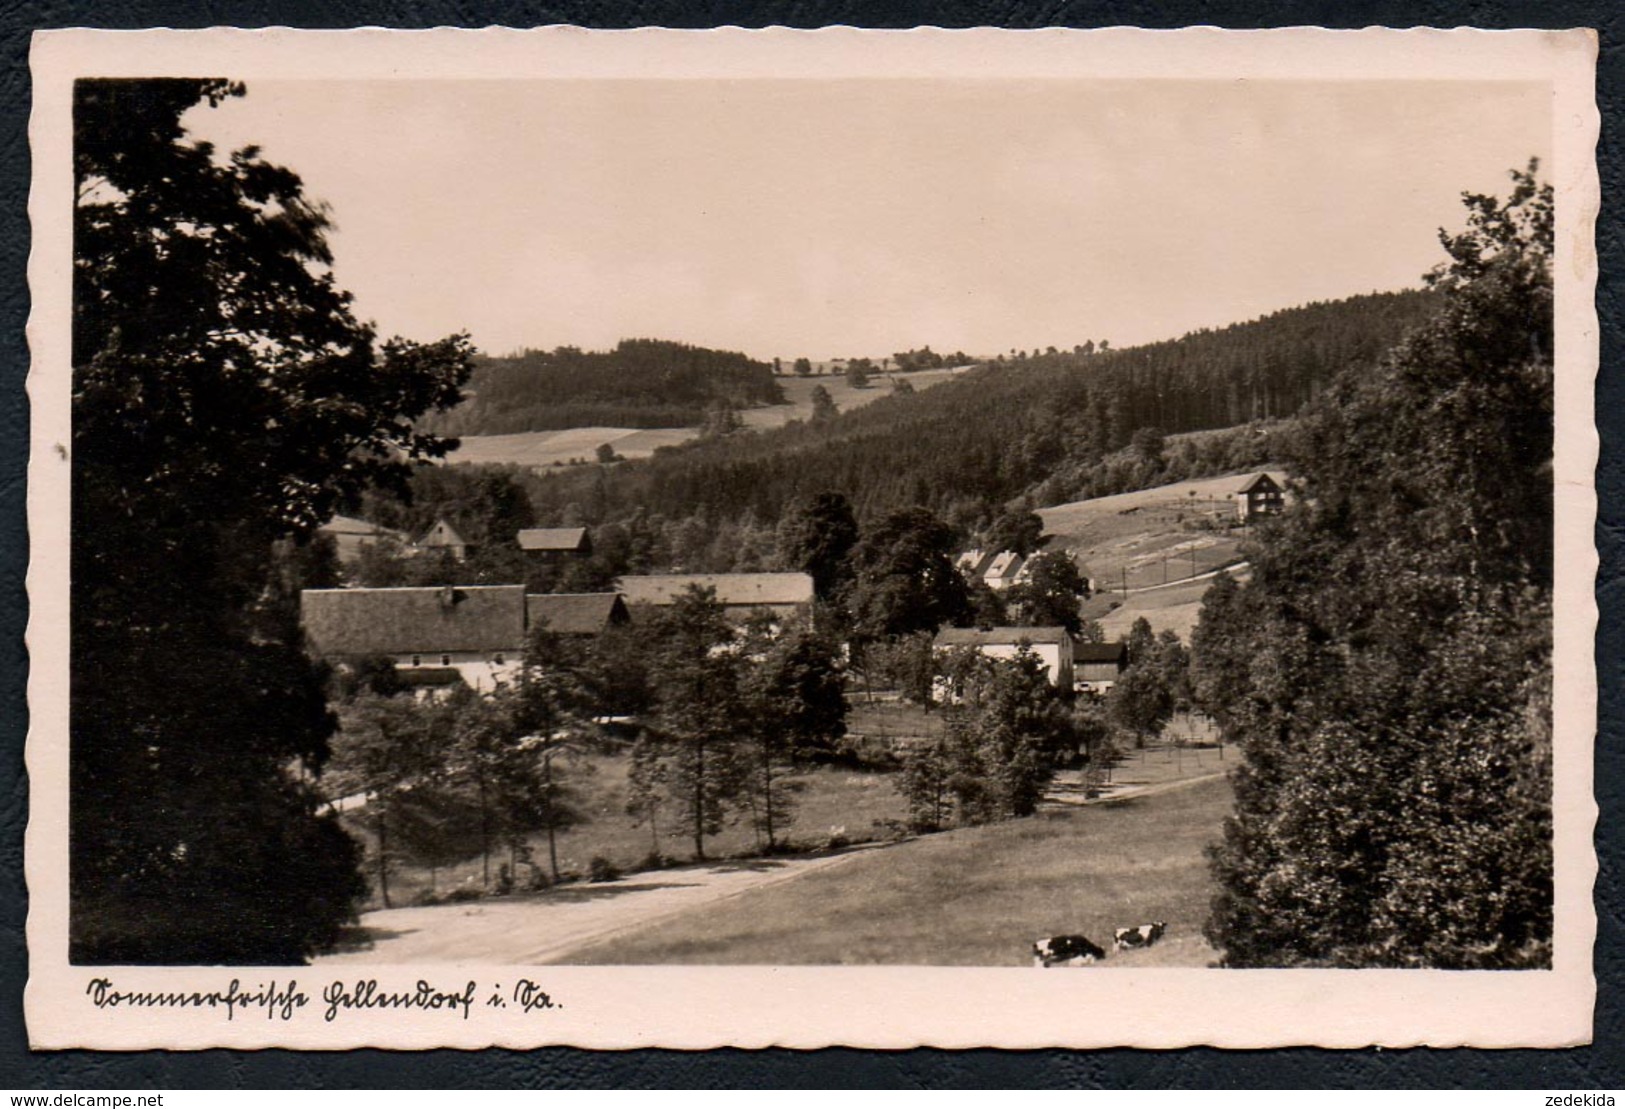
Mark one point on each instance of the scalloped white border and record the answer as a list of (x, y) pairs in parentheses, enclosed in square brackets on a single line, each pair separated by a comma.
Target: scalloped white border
[(876, 1007)]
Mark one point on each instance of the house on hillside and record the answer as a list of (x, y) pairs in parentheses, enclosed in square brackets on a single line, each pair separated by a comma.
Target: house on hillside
[(1261, 496), (575, 614), (1004, 570), (1053, 646), (1097, 666), (351, 536), (443, 537), (473, 632), (788, 597), (972, 564)]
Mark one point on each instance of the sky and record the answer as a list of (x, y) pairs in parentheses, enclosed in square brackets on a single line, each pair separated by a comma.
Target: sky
[(825, 218)]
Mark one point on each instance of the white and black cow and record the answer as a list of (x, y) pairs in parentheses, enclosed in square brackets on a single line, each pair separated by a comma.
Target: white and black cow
[(1065, 951), (1141, 935)]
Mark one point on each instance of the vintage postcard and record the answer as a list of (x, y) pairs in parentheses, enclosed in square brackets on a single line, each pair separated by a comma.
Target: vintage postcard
[(804, 538)]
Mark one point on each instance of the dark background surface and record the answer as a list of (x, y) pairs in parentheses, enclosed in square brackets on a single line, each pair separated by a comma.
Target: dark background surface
[(1600, 1066)]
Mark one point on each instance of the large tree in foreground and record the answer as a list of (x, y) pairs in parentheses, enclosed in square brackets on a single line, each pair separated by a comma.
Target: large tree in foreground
[(224, 398), (1387, 670)]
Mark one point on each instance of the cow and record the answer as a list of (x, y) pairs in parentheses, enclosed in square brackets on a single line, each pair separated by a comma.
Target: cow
[(1065, 951), (1141, 935)]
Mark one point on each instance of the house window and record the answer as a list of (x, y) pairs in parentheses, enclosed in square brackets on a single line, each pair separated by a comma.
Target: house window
[(445, 660)]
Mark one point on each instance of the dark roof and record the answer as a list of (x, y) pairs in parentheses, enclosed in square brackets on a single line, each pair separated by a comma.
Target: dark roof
[(417, 620), (982, 637), (429, 676), (1260, 481), (575, 613), (732, 589), (552, 539), (1100, 652)]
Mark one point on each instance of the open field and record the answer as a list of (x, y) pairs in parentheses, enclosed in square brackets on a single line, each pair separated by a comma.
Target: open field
[(825, 799), (1138, 547), (1176, 609), (970, 897), (548, 448), (579, 444), (798, 392)]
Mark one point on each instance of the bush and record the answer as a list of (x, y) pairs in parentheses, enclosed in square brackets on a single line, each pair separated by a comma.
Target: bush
[(601, 869), (654, 860), (463, 893), (890, 830)]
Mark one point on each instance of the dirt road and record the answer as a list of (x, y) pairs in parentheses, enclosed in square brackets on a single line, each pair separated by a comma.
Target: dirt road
[(533, 929)]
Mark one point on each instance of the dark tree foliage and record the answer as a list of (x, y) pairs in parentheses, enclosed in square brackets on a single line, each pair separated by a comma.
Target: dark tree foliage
[(905, 577), (1049, 594), (995, 434), (225, 398), (641, 383), (1387, 670), (1007, 731), (817, 536), (695, 677), (824, 408), (1018, 530)]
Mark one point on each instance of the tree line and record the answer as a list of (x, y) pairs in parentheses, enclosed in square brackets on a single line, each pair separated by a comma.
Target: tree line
[(1039, 428), (641, 383), (225, 402), (726, 714), (1387, 669)]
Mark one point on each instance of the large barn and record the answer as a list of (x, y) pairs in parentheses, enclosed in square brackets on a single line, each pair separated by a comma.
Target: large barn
[(439, 635), (1053, 646), (788, 597)]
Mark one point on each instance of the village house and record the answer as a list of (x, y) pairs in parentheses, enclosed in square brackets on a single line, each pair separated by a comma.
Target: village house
[(1052, 646), (442, 635), (443, 537), (1261, 496), (788, 597), (1004, 570), (352, 536), (1097, 666), (474, 631)]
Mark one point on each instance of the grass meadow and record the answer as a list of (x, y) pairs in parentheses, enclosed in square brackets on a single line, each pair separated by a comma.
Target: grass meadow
[(826, 800), (972, 896)]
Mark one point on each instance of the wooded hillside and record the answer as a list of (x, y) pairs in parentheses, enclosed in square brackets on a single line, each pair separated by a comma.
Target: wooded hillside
[(641, 383), (1036, 426)]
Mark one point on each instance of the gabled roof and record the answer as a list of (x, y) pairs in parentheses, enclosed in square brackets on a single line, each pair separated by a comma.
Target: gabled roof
[(1260, 481), (988, 637), (350, 525), (442, 534), (1004, 564), (732, 589), (575, 613), (1100, 652), (552, 539), (969, 561), (415, 620)]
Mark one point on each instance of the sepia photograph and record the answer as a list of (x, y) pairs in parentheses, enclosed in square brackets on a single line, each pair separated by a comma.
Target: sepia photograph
[(1042, 517)]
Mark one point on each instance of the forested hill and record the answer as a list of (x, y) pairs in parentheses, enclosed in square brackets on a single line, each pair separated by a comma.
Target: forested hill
[(641, 383), (1040, 425)]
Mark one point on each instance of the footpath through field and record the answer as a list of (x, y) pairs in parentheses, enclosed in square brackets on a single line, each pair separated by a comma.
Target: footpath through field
[(530, 929), (552, 927)]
